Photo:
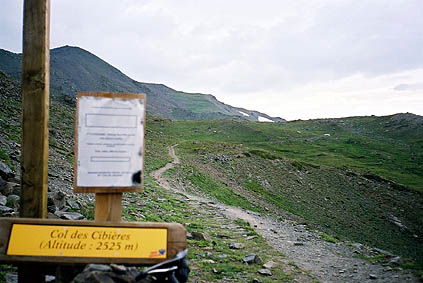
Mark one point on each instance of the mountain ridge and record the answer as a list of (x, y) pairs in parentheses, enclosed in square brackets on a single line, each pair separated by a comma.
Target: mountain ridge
[(74, 69)]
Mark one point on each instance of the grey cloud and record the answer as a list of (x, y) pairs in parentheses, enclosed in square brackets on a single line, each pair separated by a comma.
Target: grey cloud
[(409, 87)]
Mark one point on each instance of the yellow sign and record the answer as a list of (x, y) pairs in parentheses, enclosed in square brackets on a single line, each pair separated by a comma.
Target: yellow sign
[(86, 241)]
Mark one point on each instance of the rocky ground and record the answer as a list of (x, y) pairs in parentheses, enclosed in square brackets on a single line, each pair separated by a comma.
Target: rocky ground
[(311, 257)]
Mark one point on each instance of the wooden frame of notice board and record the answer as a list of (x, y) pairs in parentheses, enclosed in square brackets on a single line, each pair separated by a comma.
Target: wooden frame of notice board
[(109, 142)]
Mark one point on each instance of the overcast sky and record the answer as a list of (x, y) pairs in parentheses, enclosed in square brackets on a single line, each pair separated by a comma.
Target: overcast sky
[(298, 59)]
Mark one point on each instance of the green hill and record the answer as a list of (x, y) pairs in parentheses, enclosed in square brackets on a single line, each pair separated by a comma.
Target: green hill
[(358, 178), (74, 69)]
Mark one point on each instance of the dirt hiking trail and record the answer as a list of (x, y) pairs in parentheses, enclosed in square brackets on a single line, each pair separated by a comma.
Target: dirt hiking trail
[(325, 261)]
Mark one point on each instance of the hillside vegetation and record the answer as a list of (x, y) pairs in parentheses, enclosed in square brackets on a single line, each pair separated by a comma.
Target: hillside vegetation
[(358, 179)]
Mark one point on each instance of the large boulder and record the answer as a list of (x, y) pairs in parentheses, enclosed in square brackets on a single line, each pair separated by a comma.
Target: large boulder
[(5, 172)]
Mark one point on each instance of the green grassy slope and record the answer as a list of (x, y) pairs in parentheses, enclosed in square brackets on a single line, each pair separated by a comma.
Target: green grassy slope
[(358, 184), (358, 142)]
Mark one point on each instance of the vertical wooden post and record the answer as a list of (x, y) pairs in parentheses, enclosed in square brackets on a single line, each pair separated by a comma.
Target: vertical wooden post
[(35, 114), (35, 108), (108, 207)]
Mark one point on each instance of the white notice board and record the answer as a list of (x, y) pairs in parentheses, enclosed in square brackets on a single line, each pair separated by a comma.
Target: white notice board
[(109, 142)]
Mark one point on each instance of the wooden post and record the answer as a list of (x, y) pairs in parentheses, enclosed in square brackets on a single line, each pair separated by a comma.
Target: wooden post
[(35, 113), (35, 108), (108, 207)]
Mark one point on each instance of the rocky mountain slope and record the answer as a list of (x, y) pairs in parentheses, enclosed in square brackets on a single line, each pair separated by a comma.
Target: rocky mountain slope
[(74, 69)]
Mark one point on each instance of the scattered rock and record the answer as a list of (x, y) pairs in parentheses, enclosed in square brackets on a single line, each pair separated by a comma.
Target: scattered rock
[(11, 278), (209, 261), (373, 276), (5, 210), (3, 200), (236, 246), (73, 204), (357, 245), (2, 183), (58, 198), (396, 261), (5, 171), (380, 251), (69, 215), (252, 259), (269, 265), (265, 272), (201, 236), (7, 188), (223, 236), (93, 277), (298, 244), (251, 237), (10, 188), (51, 208), (215, 271), (121, 269), (99, 273), (395, 220), (98, 267)]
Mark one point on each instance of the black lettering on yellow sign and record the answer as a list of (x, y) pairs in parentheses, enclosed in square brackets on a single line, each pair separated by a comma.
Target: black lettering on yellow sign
[(79, 241)]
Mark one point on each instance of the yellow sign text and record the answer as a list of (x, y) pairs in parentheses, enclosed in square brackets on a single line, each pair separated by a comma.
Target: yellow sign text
[(87, 241)]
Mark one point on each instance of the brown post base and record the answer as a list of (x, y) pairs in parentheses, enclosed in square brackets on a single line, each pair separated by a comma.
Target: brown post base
[(108, 207)]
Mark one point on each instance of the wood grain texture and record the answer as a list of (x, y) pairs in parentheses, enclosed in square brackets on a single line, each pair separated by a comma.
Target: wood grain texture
[(35, 108), (176, 241), (80, 189), (108, 207)]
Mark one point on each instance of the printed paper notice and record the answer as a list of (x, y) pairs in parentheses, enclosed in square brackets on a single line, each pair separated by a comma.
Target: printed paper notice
[(110, 142)]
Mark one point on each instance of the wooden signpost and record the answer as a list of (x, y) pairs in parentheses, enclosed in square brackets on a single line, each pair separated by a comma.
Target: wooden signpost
[(109, 158), (35, 115)]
